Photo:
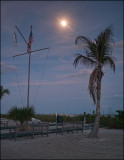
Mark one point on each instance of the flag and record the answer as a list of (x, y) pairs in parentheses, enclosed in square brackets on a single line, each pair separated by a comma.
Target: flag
[(30, 42)]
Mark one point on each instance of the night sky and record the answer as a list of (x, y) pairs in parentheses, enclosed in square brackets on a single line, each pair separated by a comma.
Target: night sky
[(56, 86)]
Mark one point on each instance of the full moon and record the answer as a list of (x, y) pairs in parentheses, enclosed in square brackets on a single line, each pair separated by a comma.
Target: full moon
[(63, 23)]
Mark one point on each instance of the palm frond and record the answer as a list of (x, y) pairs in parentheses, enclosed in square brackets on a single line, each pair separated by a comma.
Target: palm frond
[(95, 77), (3, 92), (87, 45), (103, 43), (6, 91), (93, 84), (109, 61), (84, 60), (81, 40)]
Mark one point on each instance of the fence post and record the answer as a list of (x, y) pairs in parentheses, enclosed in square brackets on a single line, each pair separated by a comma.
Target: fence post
[(56, 117), (84, 120)]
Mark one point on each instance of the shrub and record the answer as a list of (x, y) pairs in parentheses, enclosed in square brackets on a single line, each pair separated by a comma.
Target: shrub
[(21, 114), (120, 119)]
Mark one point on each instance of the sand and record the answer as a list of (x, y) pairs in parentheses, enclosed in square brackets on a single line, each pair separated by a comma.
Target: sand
[(109, 145)]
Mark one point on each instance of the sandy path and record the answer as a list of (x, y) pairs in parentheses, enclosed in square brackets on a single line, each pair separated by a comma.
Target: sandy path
[(68, 146)]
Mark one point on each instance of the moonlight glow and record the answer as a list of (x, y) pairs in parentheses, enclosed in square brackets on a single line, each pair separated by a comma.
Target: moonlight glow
[(63, 23)]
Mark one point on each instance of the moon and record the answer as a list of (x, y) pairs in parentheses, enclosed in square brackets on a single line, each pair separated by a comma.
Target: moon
[(63, 23)]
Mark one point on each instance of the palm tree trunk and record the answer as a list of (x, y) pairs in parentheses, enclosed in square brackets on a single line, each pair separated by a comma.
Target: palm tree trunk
[(94, 132)]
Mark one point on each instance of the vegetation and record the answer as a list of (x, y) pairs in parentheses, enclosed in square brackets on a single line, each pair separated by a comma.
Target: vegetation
[(98, 54), (3, 92), (120, 119), (21, 114), (46, 118), (109, 121)]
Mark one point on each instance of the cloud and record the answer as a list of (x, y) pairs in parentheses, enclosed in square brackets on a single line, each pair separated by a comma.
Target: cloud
[(117, 95), (65, 79), (6, 68), (81, 73), (113, 97), (118, 48), (119, 62), (56, 82), (119, 44)]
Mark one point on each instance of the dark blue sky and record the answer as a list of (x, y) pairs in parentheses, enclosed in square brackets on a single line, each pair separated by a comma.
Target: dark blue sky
[(63, 88)]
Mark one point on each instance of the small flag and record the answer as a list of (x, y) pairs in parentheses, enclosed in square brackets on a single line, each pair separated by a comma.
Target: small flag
[(30, 42), (15, 38)]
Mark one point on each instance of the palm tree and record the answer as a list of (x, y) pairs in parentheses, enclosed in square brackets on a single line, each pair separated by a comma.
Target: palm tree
[(98, 54), (3, 92), (21, 114)]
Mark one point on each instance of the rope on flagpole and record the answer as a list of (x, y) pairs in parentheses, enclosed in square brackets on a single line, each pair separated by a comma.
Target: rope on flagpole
[(18, 85), (21, 34), (41, 78)]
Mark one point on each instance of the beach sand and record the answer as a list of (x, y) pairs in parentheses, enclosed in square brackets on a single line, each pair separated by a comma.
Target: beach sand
[(109, 145)]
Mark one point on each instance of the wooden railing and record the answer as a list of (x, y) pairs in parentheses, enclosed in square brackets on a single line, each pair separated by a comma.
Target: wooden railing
[(42, 129)]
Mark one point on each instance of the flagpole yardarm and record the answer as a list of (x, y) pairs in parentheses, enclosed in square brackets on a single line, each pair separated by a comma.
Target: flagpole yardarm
[(31, 52)]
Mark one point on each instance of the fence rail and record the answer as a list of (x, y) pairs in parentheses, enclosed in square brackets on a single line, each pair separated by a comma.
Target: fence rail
[(21, 130)]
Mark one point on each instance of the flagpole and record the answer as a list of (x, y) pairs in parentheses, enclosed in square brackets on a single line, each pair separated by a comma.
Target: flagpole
[(29, 76), (28, 52), (28, 80)]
